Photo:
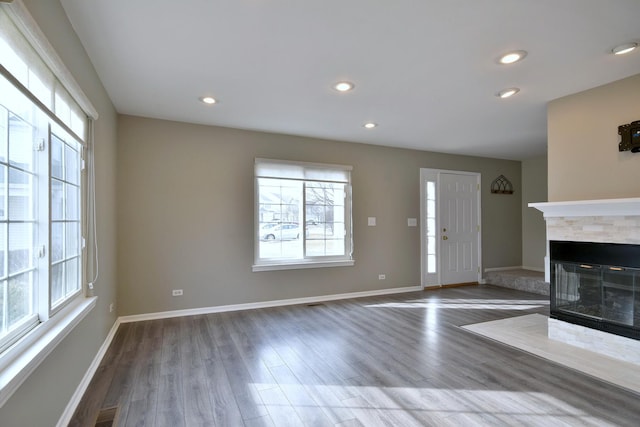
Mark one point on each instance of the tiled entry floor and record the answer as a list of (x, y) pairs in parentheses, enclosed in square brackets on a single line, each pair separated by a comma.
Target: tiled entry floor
[(529, 333)]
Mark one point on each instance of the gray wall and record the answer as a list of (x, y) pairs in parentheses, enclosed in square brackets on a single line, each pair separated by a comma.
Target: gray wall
[(186, 216), (584, 162), (43, 397), (534, 232)]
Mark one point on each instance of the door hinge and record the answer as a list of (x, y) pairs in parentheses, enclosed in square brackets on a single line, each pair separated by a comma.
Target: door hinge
[(39, 145), (478, 187), (478, 269)]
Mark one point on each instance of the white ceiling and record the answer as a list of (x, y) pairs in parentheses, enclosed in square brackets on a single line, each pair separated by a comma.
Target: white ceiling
[(424, 70)]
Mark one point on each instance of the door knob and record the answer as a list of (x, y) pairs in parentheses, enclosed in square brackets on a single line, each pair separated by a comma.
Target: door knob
[(445, 238)]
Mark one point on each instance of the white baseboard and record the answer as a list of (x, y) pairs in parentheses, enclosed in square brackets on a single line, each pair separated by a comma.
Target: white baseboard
[(65, 419), (538, 269), (264, 304)]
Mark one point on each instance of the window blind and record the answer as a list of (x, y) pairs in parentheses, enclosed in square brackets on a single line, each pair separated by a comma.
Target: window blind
[(267, 168)]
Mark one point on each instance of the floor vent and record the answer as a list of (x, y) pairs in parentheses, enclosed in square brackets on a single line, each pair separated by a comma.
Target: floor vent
[(107, 417), (315, 304)]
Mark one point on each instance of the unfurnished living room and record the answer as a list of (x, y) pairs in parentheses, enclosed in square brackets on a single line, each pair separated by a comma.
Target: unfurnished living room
[(336, 213)]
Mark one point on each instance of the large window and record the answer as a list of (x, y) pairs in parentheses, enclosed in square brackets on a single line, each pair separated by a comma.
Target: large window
[(41, 192), (303, 215), (40, 213)]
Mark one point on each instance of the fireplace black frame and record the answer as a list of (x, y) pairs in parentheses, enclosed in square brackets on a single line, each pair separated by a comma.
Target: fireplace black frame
[(600, 256)]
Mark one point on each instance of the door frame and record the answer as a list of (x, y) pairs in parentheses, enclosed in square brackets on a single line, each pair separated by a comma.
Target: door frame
[(434, 280)]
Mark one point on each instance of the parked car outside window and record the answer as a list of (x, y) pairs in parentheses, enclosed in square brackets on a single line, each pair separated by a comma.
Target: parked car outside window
[(284, 231)]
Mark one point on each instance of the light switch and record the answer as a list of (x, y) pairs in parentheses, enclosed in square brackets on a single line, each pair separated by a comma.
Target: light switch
[(412, 222), (371, 221)]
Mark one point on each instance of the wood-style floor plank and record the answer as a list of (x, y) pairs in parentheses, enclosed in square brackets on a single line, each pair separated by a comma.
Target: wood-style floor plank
[(381, 361)]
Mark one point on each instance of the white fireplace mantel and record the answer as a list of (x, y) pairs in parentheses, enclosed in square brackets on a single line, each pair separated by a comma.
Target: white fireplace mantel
[(605, 221), (604, 207)]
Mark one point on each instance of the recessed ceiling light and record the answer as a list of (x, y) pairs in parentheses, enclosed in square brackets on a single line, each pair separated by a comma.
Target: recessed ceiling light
[(624, 48), (512, 57), (343, 86), (208, 100), (506, 93), (369, 125)]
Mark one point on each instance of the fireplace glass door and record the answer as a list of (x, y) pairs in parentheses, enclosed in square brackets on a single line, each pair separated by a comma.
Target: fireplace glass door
[(598, 292), (578, 289)]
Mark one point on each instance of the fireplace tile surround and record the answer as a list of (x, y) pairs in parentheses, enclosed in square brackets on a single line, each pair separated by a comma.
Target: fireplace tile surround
[(601, 221)]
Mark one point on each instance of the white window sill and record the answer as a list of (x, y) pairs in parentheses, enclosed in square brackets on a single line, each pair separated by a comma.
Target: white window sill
[(302, 265), (20, 360)]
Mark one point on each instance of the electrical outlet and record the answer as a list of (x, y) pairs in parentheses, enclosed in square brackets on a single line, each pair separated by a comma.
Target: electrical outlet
[(381, 276), (111, 308), (176, 292)]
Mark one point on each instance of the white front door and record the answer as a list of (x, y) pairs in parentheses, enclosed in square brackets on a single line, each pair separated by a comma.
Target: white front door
[(459, 228)]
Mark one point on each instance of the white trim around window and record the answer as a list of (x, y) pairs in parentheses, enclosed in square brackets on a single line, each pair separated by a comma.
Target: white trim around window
[(44, 134), (302, 215)]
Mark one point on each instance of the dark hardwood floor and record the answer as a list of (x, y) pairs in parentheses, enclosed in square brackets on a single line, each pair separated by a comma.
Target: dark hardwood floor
[(399, 360)]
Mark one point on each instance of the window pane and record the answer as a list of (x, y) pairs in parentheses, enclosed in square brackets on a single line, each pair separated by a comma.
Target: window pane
[(3, 250), (72, 211), (3, 192), (431, 263), (21, 139), (57, 283), (431, 190), (56, 157), (431, 208), (279, 232), (72, 236), (431, 227), (3, 307), (21, 196), (431, 245), (20, 247), (20, 298), (4, 132), (72, 282), (57, 241), (57, 200), (71, 165), (325, 210), (14, 101)]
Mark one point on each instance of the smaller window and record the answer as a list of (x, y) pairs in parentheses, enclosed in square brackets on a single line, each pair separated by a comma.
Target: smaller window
[(430, 210), (303, 215)]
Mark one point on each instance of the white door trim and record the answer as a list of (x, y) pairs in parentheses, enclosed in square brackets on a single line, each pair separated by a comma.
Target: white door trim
[(427, 174)]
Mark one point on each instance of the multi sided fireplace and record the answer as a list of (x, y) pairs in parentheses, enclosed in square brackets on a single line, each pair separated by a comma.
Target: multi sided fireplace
[(596, 285)]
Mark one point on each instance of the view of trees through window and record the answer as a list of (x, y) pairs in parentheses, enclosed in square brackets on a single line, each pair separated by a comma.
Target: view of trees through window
[(301, 219)]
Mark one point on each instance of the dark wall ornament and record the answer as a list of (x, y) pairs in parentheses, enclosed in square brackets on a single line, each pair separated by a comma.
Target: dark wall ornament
[(501, 185), (629, 137)]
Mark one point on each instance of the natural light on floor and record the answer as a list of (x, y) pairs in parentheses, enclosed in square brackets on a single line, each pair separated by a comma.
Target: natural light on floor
[(421, 406), (473, 304)]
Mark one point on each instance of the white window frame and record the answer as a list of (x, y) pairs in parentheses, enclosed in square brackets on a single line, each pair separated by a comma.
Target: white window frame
[(306, 173), (55, 322)]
